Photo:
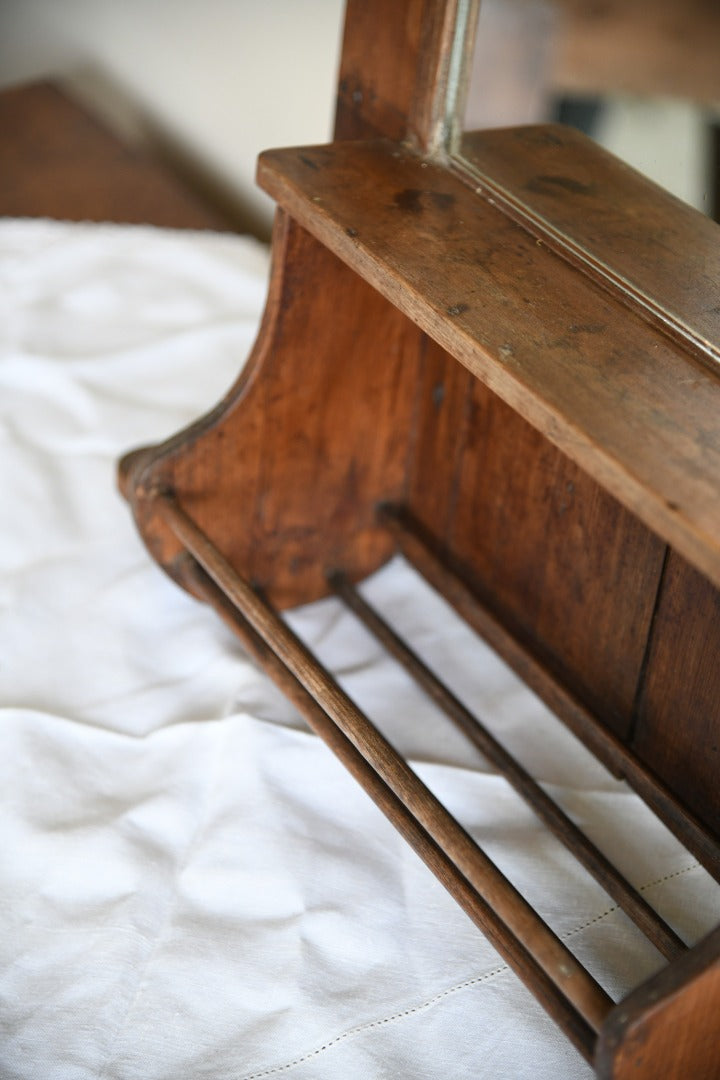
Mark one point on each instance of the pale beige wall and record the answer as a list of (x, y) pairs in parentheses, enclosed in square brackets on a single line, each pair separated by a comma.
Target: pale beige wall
[(219, 79), (216, 81)]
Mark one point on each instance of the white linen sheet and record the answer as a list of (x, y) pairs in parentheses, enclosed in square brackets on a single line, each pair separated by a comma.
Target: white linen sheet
[(190, 884)]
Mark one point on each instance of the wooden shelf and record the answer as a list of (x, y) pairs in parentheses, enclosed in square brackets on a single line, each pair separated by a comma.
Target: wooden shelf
[(635, 408)]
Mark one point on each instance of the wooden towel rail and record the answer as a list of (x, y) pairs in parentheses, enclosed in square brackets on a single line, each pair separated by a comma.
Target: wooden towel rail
[(504, 365)]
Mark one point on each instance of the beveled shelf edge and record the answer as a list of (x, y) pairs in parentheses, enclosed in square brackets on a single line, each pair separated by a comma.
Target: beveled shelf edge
[(340, 216), (630, 255)]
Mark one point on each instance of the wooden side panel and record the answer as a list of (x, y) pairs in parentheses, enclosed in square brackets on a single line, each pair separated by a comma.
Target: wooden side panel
[(443, 400), (285, 475), (556, 558), (678, 725), (669, 1026)]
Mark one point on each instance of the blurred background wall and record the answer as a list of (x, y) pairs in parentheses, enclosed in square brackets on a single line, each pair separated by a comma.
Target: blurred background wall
[(208, 83)]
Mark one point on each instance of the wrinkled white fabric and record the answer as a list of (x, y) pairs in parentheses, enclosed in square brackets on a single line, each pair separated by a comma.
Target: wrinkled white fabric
[(190, 884)]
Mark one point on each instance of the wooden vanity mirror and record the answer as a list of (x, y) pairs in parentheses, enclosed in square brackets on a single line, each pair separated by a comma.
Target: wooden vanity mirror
[(507, 372)]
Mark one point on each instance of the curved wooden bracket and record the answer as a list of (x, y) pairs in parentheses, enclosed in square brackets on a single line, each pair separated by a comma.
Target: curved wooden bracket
[(285, 474)]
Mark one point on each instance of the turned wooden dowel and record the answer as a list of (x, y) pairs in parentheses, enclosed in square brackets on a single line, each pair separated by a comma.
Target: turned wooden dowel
[(521, 919), (510, 949), (629, 899), (598, 739)]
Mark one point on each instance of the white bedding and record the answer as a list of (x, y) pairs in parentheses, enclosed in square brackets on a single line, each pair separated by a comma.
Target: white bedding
[(190, 885)]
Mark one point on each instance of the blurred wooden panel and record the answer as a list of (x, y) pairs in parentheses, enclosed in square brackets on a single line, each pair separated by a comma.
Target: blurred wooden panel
[(529, 52), (58, 161), (666, 48)]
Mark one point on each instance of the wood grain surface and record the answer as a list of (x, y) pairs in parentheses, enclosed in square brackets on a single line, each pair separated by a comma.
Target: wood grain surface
[(286, 473), (610, 219), (620, 398)]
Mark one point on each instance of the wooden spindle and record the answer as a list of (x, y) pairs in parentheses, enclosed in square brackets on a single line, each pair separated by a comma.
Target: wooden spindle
[(662, 936), (521, 919), (418, 551), (510, 949)]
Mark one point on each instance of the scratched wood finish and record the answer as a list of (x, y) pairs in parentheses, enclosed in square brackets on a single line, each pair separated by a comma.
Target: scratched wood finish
[(630, 406), (609, 219), (429, 559), (279, 489), (439, 436), (678, 1038), (375, 96), (668, 1027), (576, 550)]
